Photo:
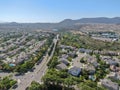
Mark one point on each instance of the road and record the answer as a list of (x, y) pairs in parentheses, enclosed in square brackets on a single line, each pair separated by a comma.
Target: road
[(43, 69), (25, 80)]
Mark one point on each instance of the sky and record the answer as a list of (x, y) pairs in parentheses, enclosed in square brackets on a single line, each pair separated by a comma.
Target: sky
[(56, 10)]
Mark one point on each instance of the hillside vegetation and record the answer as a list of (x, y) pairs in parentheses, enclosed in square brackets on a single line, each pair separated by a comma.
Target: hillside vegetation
[(84, 41)]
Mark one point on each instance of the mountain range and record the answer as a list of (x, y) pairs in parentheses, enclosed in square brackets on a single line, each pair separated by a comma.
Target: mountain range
[(67, 23)]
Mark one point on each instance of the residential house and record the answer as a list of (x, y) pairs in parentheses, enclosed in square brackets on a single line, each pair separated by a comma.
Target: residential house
[(63, 60), (109, 84), (64, 56), (75, 71), (72, 54), (109, 60), (83, 50), (61, 66), (114, 75)]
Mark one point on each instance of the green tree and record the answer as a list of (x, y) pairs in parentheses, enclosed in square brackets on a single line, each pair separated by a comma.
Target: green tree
[(36, 86), (6, 83)]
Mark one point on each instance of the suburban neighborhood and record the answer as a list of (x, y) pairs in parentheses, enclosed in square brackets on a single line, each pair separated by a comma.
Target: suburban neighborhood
[(59, 44)]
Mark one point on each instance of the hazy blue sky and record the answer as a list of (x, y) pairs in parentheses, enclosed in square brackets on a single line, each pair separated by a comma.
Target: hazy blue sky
[(56, 10)]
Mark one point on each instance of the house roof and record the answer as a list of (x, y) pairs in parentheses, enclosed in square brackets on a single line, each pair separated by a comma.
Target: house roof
[(64, 60), (85, 50), (61, 66), (109, 84), (75, 71)]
